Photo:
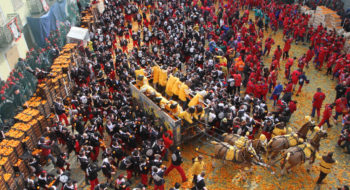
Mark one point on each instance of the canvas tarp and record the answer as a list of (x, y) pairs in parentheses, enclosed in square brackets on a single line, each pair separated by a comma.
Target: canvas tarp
[(41, 27)]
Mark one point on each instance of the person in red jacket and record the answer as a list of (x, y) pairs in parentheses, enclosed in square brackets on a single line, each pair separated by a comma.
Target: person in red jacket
[(264, 90), (278, 53), (238, 81), (309, 55), (340, 107), (257, 90), (168, 142), (288, 65), (327, 113), (321, 57), (292, 106), (317, 101), (289, 87), (250, 87), (286, 48), (268, 44), (272, 79), (295, 77), (275, 64)]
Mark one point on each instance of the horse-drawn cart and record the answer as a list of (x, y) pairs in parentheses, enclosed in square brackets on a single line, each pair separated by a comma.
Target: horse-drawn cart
[(181, 130)]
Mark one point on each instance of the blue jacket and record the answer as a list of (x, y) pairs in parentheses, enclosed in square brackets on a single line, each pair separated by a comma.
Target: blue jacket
[(277, 91)]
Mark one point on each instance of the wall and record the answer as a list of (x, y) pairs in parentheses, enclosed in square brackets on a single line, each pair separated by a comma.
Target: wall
[(346, 4), (23, 12)]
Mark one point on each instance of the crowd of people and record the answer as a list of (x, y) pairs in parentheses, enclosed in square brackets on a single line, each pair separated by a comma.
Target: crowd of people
[(208, 47)]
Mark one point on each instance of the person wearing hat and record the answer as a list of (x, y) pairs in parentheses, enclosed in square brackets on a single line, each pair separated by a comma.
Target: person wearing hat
[(176, 161), (101, 187), (326, 164), (176, 186), (199, 114), (60, 111), (173, 107), (268, 127), (199, 184), (197, 167), (108, 169), (69, 186), (120, 183), (45, 147), (162, 102), (144, 168), (92, 174), (158, 177), (188, 115)]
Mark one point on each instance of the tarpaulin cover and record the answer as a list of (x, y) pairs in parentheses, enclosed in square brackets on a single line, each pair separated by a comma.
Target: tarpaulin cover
[(41, 27)]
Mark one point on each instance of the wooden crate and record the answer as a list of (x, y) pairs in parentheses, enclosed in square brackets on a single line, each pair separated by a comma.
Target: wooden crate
[(26, 129), (13, 185), (63, 92), (15, 144), (42, 123), (2, 165), (50, 120), (2, 182), (9, 179), (15, 134), (22, 168), (46, 107), (36, 128), (10, 153), (6, 166), (29, 143), (65, 78), (41, 109)]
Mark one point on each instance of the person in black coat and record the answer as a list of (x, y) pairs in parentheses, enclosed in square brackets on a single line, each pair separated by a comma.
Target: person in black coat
[(92, 174), (60, 110), (200, 183), (158, 177), (176, 161), (340, 90), (108, 169)]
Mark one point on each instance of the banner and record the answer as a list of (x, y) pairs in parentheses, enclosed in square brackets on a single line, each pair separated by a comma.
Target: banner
[(13, 27), (45, 5)]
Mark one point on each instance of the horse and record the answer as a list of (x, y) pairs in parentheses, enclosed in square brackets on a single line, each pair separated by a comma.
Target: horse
[(282, 142), (256, 143), (245, 156), (303, 152)]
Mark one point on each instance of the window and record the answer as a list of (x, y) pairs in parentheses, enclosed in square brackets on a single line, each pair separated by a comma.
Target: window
[(2, 18), (17, 4)]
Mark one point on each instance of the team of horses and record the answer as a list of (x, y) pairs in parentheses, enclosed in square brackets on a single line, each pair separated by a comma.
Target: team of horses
[(292, 149)]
